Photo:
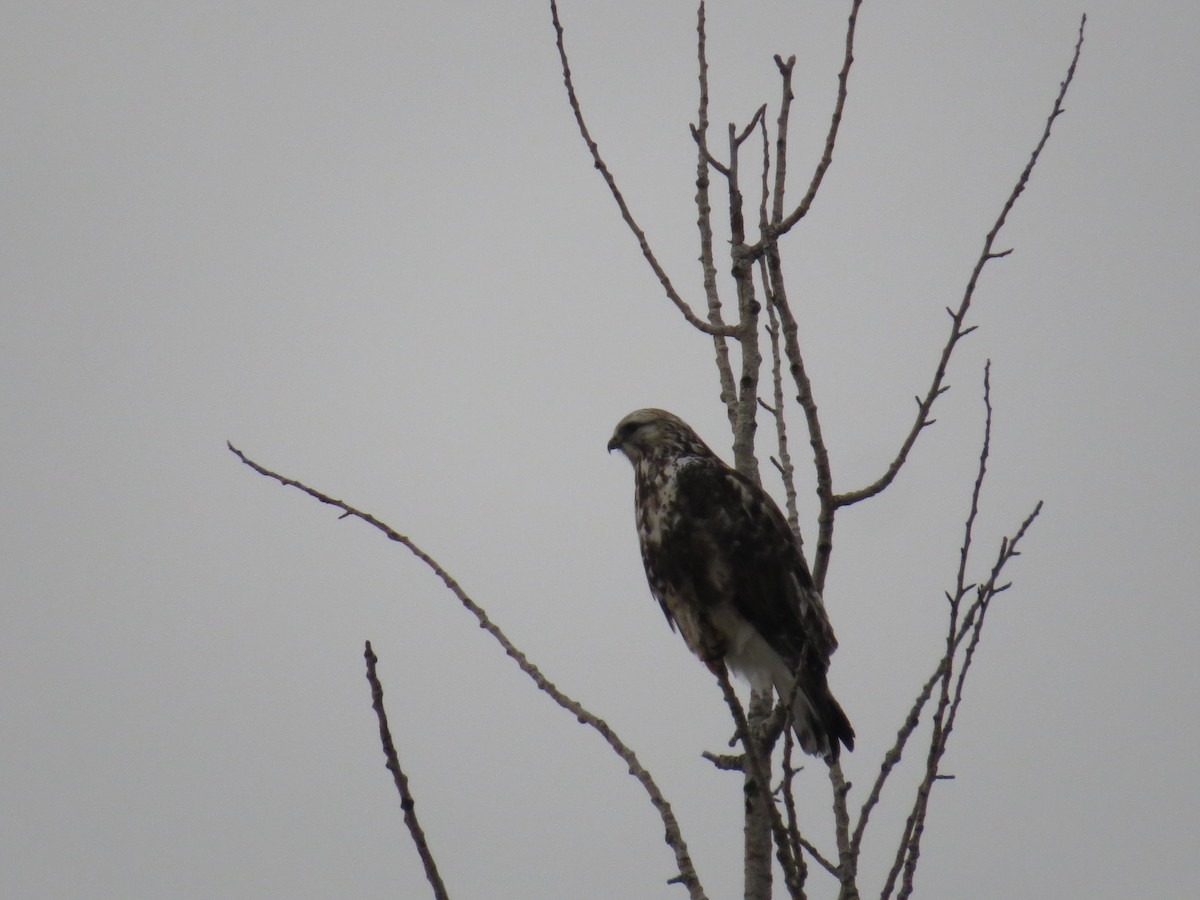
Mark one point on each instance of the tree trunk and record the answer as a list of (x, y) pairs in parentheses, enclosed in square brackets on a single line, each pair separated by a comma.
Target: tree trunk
[(757, 831)]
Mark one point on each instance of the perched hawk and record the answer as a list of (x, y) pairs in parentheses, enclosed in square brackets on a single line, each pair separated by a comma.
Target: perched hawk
[(729, 574)]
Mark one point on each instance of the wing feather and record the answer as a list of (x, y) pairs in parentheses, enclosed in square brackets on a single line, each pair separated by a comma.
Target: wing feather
[(737, 534)]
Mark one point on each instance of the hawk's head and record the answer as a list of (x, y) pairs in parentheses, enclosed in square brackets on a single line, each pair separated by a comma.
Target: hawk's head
[(647, 433)]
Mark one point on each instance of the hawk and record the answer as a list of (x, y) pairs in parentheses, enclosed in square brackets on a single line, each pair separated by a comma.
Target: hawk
[(729, 574)]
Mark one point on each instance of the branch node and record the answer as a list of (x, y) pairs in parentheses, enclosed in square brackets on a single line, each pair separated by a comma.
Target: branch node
[(727, 762)]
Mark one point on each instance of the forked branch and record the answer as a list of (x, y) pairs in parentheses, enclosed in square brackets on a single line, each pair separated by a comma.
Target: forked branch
[(781, 227)]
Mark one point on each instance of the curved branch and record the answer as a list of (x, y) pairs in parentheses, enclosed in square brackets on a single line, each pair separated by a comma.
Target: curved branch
[(673, 836), (957, 331), (594, 149)]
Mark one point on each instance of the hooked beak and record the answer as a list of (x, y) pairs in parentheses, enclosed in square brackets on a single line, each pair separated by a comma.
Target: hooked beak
[(613, 444)]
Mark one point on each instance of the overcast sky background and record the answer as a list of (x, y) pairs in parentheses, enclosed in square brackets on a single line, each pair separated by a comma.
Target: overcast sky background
[(365, 243)]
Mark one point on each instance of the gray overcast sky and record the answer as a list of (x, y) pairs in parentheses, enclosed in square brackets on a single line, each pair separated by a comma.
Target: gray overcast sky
[(365, 243)]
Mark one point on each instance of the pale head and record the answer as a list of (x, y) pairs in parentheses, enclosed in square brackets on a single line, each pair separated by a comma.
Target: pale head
[(655, 432)]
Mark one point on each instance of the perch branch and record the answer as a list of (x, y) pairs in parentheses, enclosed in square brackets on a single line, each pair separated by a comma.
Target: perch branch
[(757, 765)]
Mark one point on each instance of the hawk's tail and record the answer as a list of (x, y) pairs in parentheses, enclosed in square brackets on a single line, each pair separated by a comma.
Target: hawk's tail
[(820, 723)]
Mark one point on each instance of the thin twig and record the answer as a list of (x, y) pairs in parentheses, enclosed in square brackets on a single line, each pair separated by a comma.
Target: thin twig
[(771, 261), (784, 462), (973, 625), (817, 855), (908, 851), (407, 803), (726, 762), (785, 792), (892, 758), (673, 836), (952, 682), (958, 316), (602, 167), (894, 754), (745, 132), (804, 397), (787, 471), (799, 841), (939, 738)]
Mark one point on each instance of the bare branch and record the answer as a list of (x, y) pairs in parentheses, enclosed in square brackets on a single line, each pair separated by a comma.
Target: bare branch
[(781, 136), (984, 595), (704, 224), (957, 331), (407, 803), (892, 758), (847, 862), (744, 422), (726, 762), (673, 836), (745, 132), (594, 149), (799, 842), (784, 463), (909, 848), (789, 801), (804, 397), (780, 228), (705, 153), (787, 471)]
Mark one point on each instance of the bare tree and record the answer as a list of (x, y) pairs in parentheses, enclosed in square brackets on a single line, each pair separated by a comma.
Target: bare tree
[(755, 265)]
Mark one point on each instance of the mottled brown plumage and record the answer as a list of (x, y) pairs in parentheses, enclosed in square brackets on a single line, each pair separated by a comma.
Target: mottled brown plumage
[(728, 572)]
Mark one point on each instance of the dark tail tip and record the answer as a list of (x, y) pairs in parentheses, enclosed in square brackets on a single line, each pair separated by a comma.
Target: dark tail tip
[(837, 727)]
